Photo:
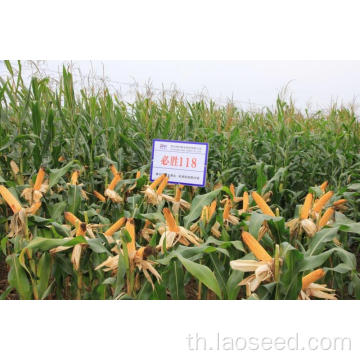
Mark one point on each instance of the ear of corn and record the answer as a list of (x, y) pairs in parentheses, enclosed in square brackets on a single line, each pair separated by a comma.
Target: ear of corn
[(99, 196), (227, 208), (34, 208), (81, 230), (260, 202), (170, 221), (115, 227), (245, 201), (255, 247), (212, 209), (312, 277), (71, 218), (74, 177), (113, 169), (162, 186), (232, 190), (326, 217), (324, 185), (319, 205), (114, 181), (178, 194), (130, 227), (339, 202), (306, 207), (39, 178), (10, 199), (157, 181)]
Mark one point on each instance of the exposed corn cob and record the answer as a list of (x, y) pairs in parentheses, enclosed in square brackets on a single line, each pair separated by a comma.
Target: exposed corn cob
[(212, 209), (157, 181), (99, 196), (319, 205), (115, 227), (34, 208), (114, 181), (71, 218), (306, 207), (39, 178), (312, 277), (255, 247), (130, 227), (81, 230), (113, 170), (324, 185), (162, 186), (74, 177), (245, 201), (326, 217), (339, 202), (10, 199), (260, 202), (170, 221), (227, 208)]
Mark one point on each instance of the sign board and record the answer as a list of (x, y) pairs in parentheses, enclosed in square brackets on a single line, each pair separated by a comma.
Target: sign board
[(182, 161)]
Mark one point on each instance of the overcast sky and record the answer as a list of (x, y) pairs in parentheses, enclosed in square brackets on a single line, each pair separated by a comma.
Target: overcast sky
[(317, 83)]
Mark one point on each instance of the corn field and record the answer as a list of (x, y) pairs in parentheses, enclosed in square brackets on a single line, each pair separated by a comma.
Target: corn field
[(279, 217)]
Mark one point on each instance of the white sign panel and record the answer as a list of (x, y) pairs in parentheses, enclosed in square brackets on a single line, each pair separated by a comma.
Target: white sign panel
[(182, 161)]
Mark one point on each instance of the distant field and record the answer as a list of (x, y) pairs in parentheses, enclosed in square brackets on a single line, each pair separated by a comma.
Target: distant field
[(268, 173)]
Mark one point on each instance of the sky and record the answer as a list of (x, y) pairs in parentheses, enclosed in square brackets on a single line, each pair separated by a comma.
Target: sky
[(313, 84)]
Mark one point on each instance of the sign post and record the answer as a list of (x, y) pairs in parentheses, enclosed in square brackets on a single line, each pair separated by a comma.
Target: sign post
[(183, 162)]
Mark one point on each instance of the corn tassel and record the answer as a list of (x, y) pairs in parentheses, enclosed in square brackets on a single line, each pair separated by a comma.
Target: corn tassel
[(255, 247), (312, 277), (260, 202)]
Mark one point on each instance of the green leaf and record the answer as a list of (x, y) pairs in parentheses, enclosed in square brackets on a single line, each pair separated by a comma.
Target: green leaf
[(176, 280), (97, 246), (232, 284), (74, 198), (17, 278), (202, 273), (197, 205), (56, 174), (44, 271)]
